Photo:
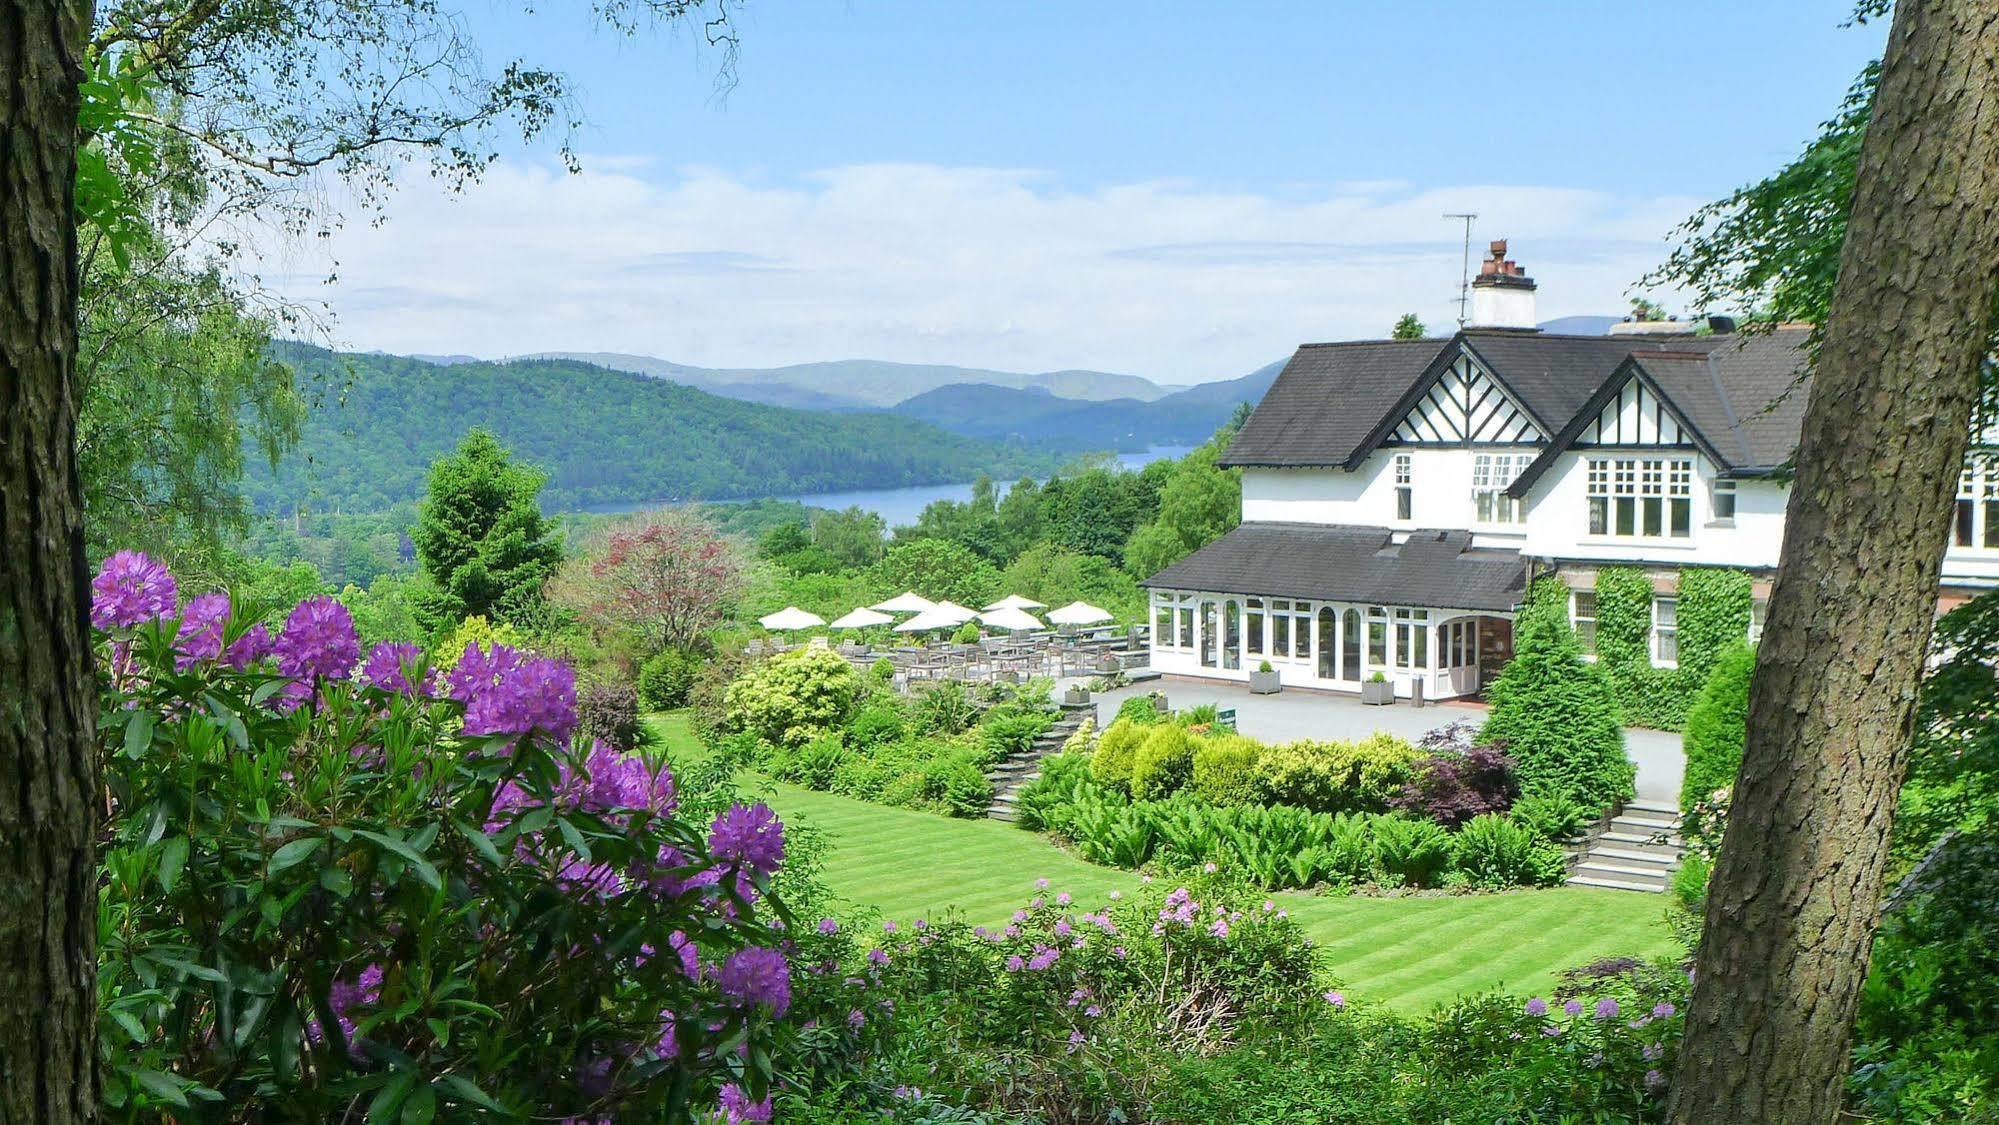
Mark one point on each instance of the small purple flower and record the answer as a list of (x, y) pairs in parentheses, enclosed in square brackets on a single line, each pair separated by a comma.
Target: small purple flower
[(200, 635), (878, 957), (1662, 1009), (1606, 1008), (1041, 884), (1015, 963), (828, 926), (855, 1020), (748, 836), (1551, 1030), (129, 589), (888, 927), (1076, 1041), (1654, 1080), (1537, 1007), (1336, 998), (1573, 1007), (1062, 899), (318, 640), (1044, 958), (757, 976), (388, 666)]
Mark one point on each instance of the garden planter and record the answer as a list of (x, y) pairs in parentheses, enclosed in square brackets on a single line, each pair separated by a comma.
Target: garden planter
[(1264, 683), (1377, 693), (1076, 697)]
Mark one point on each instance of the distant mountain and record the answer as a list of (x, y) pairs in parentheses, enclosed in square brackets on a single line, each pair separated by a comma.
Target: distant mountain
[(864, 383), (604, 437), (439, 360), (1033, 417), (1580, 325)]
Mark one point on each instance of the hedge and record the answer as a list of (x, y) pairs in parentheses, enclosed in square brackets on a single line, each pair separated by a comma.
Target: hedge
[(1557, 717), (1717, 726)]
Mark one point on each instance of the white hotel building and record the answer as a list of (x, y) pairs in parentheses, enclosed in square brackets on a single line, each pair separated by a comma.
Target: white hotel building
[(1398, 495)]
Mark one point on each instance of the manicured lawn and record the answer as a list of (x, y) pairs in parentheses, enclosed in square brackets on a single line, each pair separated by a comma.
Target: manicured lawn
[(1409, 953)]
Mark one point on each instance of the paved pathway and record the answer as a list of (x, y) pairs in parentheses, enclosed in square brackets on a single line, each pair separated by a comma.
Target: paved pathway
[(1291, 715)]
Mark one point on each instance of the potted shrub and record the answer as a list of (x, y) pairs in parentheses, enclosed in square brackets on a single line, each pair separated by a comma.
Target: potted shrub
[(1076, 696), (1377, 691), (1263, 681)]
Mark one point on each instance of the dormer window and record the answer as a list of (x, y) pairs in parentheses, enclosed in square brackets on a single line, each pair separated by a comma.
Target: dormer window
[(1491, 474), (1405, 492), (1641, 497)]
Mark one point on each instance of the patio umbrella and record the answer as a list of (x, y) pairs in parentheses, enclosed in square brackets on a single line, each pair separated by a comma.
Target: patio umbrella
[(863, 618), (1079, 613), (1011, 619), (1015, 601), (910, 602), (790, 618), (944, 615)]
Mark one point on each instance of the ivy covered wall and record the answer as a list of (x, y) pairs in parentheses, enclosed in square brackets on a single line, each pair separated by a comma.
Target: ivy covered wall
[(1714, 606)]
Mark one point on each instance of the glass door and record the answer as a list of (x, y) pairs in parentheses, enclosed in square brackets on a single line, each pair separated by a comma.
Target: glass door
[(1329, 626), (1350, 646), (1231, 634), (1210, 636)]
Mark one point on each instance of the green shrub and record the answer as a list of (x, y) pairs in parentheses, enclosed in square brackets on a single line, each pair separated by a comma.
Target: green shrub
[(1416, 852), (1717, 726), (1004, 736), (794, 697), (1492, 851), (882, 671), (1163, 762), (1204, 715), (878, 722), (967, 634), (945, 708), (815, 762), (1555, 713), (1060, 774), (1111, 765), (1714, 610), (1337, 776), (1139, 709), (1079, 739), (666, 679), (1224, 770), (1553, 817)]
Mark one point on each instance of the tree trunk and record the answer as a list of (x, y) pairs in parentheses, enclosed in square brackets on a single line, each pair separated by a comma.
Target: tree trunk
[(1795, 897), (48, 773)]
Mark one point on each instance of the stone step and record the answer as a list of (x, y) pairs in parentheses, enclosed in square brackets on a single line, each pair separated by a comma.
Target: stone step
[(1647, 828), (1615, 884), (1662, 858), (1617, 869), (1623, 839), (1664, 807)]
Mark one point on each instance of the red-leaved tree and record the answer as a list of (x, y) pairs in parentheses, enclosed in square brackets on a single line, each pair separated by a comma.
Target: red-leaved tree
[(663, 578)]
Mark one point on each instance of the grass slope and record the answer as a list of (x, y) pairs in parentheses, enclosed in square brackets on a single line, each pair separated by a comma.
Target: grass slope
[(1407, 953)]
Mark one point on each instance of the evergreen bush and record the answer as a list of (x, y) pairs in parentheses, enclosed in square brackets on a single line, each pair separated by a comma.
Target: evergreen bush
[(1111, 765), (1556, 715), (1717, 726), (1163, 762), (1224, 770), (666, 679), (793, 698)]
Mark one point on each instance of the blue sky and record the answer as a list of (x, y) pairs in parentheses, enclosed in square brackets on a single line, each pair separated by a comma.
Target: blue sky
[(1182, 191)]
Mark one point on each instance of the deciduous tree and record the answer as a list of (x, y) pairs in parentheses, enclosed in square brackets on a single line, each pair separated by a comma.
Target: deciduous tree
[(663, 577), (1795, 898)]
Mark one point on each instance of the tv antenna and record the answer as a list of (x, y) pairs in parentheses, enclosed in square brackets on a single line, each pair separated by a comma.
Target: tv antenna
[(1464, 278)]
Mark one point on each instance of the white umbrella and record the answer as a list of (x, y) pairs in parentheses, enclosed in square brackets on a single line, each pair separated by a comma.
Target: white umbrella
[(862, 619), (1015, 601), (911, 602), (944, 615), (1011, 619), (1078, 613), (790, 618)]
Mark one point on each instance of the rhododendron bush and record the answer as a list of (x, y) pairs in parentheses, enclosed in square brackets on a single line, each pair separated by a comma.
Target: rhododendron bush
[(341, 885)]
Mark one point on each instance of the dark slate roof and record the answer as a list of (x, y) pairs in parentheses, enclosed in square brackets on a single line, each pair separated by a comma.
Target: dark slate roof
[(1327, 401), (1334, 402), (1439, 569)]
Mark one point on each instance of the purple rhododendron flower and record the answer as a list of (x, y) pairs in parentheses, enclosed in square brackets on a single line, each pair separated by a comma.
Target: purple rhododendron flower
[(479, 670), (828, 926), (131, 588), (252, 646), (1336, 998), (200, 635), (737, 1108), (755, 975), (388, 666), (748, 835), (318, 640), (523, 695), (621, 781)]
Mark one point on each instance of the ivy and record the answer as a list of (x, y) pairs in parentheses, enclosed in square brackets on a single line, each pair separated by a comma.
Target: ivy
[(1714, 615)]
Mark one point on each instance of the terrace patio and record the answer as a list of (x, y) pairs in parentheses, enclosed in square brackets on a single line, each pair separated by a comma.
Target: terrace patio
[(1294, 714)]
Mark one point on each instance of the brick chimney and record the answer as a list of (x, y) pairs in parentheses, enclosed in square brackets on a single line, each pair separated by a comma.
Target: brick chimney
[(1502, 295)]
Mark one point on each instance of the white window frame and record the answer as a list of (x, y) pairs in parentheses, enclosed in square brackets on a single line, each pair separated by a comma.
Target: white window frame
[(1405, 488), (1491, 475), (1577, 618), (1975, 524), (1637, 490), (1663, 629), (1722, 493)]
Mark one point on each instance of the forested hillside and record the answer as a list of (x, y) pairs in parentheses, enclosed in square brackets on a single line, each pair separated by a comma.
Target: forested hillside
[(1037, 418), (858, 384), (603, 436)]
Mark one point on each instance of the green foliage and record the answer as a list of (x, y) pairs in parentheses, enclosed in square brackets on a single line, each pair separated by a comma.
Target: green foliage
[(1555, 818), (1717, 727), (878, 722), (650, 439), (1117, 751), (481, 537), (967, 634), (1055, 575), (1407, 327), (1198, 504), (793, 697), (1004, 736), (853, 535), (1492, 851), (1225, 771), (1336, 776), (945, 708), (1139, 709), (782, 539), (1623, 620), (932, 774), (1953, 780), (1556, 715), (938, 569), (667, 678), (474, 630), (1163, 762), (1715, 604), (1415, 853)]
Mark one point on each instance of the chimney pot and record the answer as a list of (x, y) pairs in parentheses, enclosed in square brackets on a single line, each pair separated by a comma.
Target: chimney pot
[(1502, 293)]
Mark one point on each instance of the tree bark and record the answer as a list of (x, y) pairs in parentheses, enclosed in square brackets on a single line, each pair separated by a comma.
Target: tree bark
[(48, 774), (1795, 897)]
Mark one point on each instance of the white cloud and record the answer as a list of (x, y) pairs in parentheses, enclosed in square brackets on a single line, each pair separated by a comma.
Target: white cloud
[(977, 266)]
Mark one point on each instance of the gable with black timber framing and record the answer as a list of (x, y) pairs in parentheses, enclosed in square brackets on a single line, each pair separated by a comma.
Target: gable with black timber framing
[(1636, 416), (1465, 406)]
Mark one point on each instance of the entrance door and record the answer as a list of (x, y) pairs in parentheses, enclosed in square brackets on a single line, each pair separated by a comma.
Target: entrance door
[(1329, 631), (1210, 636), (1350, 646), (1231, 634)]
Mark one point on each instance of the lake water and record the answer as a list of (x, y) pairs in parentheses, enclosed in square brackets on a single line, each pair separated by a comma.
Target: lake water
[(903, 505)]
